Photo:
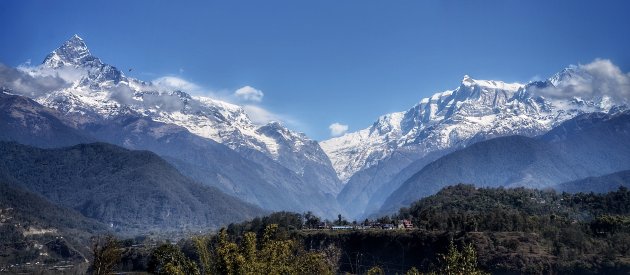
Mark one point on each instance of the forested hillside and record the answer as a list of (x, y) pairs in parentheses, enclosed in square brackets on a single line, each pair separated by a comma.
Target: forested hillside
[(34, 230), (496, 230), (131, 191)]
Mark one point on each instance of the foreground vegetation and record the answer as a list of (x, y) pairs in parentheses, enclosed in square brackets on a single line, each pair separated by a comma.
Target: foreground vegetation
[(460, 230), (273, 253)]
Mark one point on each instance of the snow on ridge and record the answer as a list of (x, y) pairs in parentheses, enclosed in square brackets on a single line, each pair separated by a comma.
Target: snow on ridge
[(101, 91), (493, 84), (477, 107)]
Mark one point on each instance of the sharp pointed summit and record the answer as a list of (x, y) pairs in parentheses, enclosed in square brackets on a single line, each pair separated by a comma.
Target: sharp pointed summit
[(73, 52)]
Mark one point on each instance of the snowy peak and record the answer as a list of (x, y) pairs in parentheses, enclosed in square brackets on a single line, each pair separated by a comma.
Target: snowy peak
[(73, 52), (100, 91), (273, 126), (569, 75), (468, 81), (473, 96), (475, 110), (388, 123)]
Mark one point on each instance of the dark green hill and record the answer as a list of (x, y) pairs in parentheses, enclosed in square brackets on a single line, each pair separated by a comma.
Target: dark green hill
[(469, 208), (513, 230), (131, 191)]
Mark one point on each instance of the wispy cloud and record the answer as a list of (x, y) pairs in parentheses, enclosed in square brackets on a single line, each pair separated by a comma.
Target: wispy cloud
[(21, 82), (177, 83), (34, 81), (337, 129), (249, 93), (596, 79), (259, 115), (248, 97)]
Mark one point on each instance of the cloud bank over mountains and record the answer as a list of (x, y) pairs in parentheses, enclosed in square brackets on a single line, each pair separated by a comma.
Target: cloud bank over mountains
[(37, 80), (29, 85), (596, 79)]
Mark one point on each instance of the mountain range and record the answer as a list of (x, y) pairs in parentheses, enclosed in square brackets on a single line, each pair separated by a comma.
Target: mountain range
[(589, 144), (375, 161), (211, 141), (74, 98)]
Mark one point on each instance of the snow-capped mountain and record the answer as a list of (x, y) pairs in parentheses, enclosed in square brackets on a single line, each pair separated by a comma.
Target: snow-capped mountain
[(476, 107), (75, 53), (101, 91), (474, 111), (360, 169), (588, 145)]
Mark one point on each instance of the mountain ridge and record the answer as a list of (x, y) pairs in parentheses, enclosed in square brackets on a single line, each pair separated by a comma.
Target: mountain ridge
[(104, 91), (369, 159), (541, 162), (263, 182), (129, 190)]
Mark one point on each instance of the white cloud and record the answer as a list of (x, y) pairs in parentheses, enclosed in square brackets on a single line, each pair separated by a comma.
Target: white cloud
[(249, 93), (30, 81), (596, 79), (68, 74), (176, 83), (259, 115), (36, 80), (337, 129)]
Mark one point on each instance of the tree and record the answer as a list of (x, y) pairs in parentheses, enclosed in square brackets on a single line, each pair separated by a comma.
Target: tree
[(332, 255), (206, 258), (312, 221), (169, 259), (312, 263), (229, 260), (413, 271), (385, 220), (250, 253), (456, 262), (107, 253), (276, 254), (375, 270)]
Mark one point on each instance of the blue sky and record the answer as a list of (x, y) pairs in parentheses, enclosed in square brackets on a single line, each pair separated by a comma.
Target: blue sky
[(320, 62)]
